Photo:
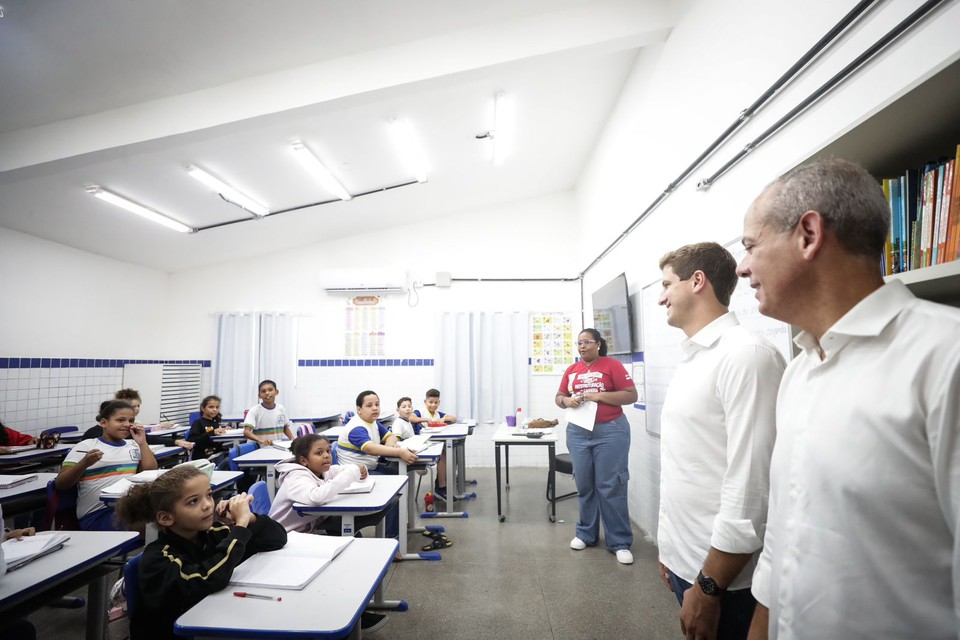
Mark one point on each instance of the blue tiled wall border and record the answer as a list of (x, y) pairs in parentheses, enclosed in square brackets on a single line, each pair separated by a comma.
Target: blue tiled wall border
[(84, 363), (368, 362)]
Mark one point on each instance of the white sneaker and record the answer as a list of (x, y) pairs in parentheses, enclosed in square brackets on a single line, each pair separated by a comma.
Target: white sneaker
[(624, 556), (577, 544)]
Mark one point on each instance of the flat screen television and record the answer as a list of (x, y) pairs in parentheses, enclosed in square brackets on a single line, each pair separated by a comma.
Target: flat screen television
[(612, 316)]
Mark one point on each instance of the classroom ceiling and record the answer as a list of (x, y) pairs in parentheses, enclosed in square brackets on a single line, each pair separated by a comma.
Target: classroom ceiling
[(125, 94)]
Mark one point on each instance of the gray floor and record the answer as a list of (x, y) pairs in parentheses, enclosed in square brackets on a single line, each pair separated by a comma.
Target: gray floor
[(516, 580)]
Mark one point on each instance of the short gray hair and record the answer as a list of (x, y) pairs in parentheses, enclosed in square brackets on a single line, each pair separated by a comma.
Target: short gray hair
[(850, 200)]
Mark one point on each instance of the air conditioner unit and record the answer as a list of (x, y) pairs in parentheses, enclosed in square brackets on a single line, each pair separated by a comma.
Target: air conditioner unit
[(365, 282)]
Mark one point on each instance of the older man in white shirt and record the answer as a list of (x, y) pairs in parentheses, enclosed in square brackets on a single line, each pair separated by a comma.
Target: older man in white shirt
[(717, 434), (865, 477)]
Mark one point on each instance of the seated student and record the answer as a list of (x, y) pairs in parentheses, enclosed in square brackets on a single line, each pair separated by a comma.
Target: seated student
[(193, 555), (431, 413), (365, 441), (401, 427), (13, 628), (98, 462), (133, 397), (11, 438), (267, 421), (208, 424)]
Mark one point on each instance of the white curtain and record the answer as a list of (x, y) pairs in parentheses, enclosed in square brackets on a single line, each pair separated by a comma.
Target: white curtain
[(252, 347), (483, 364), (235, 366), (278, 355)]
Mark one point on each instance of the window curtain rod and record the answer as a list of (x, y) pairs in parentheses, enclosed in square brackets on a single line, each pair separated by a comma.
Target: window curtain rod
[(821, 45), (825, 88)]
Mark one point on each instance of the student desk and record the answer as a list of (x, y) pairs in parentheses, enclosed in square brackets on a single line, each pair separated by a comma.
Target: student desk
[(408, 516), (166, 436), (266, 457), (230, 436), (29, 496), (71, 437), (76, 564), (456, 434), (350, 505), (505, 437), (328, 607), (220, 480), (35, 455), (333, 432), (164, 453)]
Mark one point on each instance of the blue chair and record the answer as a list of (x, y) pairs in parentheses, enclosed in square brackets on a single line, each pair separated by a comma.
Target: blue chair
[(61, 509), (131, 584), (261, 498), (346, 416), (193, 417), (333, 452), (239, 450), (59, 430)]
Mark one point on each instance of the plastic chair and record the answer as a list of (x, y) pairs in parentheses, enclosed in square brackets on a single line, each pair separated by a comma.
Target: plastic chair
[(261, 498), (304, 429), (131, 584), (333, 452), (59, 430), (61, 509), (346, 416), (193, 417), (239, 450)]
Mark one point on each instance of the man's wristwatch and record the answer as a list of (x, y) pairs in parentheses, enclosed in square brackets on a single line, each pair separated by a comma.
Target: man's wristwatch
[(709, 585)]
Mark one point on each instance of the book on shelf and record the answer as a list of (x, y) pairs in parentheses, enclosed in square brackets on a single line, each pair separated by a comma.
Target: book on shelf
[(11, 481), (19, 552), (292, 567)]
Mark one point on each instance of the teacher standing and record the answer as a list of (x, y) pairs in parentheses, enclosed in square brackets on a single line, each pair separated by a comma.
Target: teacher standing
[(600, 455)]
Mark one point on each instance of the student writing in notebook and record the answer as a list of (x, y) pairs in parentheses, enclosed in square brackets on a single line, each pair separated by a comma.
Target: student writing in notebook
[(194, 554), (421, 418), (267, 421), (11, 438), (97, 463)]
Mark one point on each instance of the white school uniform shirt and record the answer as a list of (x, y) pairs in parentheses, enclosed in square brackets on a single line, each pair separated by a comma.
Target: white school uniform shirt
[(402, 429), (717, 434), (268, 423), (119, 459), (865, 478)]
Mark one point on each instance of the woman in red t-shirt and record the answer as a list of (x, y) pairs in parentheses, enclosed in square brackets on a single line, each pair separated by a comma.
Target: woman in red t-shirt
[(600, 455)]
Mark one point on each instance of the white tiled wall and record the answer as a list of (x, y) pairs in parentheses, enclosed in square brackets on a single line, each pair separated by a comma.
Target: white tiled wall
[(32, 400)]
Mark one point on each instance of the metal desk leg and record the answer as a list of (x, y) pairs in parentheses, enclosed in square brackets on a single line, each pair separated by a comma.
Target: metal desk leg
[(500, 515), (552, 482), (272, 481), (448, 444), (506, 452), (97, 608), (460, 448), (408, 516)]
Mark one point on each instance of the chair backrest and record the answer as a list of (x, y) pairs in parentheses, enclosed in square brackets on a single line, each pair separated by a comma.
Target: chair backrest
[(194, 416), (61, 510), (239, 450), (261, 498), (304, 429), (333, 452), (346, 416), (131, 584), (59, 430)]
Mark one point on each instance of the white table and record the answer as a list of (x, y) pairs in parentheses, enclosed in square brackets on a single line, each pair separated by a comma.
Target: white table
[(115, 491), (266, 457), (408, 516), (350, 505), (328, 607), (35, 455), (504, 438), (71, 437), (169, 432), (229, 436), (36, 488), (24, 590)]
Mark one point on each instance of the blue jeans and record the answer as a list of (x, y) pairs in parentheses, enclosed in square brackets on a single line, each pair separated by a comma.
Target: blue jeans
[(736, 609), (600, 459)]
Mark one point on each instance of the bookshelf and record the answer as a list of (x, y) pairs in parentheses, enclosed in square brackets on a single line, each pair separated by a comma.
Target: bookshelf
[(920, 126)]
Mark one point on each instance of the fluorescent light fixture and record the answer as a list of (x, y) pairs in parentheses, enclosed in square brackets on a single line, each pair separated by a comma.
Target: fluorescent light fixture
[(326, 178), (227, 192), (409, 148), (118, 201), (503, 127)]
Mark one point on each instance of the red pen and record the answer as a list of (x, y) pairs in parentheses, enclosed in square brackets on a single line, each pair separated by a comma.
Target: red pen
[(244, 594)]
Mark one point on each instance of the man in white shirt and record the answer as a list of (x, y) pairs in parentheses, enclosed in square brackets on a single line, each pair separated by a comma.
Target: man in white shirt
[(865, 475), (716, 440)]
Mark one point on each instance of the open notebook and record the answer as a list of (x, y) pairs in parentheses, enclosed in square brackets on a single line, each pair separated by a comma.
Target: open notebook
[(416, 443), (293, 567), (19, 552), (8, 482), (361, 486)]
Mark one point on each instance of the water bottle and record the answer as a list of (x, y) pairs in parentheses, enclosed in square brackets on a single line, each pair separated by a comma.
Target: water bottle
[(520, 418), (428, 502)]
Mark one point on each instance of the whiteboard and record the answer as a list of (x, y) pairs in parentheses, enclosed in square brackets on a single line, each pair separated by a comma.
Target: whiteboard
[(662, 343)]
